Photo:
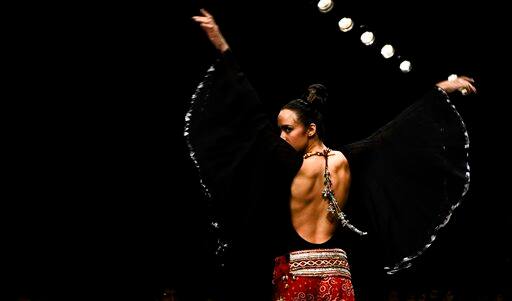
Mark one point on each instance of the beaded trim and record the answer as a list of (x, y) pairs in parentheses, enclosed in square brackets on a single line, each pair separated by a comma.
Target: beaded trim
[(319, 263), (406, 261), (196, 102), (328, 193), (201, 93)]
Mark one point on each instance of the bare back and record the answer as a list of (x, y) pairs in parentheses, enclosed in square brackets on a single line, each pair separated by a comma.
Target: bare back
[(310, 216)]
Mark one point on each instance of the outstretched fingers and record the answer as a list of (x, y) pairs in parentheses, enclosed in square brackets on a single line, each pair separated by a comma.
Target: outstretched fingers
[(464, 84), (467, 83), (471, 88), (207, 23), (469, 79), (201, 19), (205, 13), (206, 20)]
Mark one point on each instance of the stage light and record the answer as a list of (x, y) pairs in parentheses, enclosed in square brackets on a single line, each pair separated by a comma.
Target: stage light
[(325, 6), (387, 51), (367, 38), (405, 66), (345, 24)]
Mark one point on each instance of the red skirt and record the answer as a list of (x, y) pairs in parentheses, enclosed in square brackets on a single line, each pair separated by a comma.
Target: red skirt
[(313, 275)]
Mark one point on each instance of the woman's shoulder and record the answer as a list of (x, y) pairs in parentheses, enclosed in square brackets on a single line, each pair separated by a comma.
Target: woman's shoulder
[(338, 154), (315, 165), (339, 158), (339, 163)]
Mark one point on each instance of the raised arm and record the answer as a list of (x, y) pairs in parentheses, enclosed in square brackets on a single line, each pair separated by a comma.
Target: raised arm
[(227, 124), (211, 28)]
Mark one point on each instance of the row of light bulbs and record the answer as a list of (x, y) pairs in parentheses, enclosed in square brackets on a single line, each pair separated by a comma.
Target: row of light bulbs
[(367, 38)]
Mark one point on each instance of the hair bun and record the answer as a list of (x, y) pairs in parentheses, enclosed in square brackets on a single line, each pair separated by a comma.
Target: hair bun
[(316, 94)]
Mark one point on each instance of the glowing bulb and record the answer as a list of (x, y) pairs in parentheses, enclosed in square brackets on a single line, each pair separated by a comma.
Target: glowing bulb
[(367, 38), (405, 66), (325, 6), (345, 24), (387, 51)]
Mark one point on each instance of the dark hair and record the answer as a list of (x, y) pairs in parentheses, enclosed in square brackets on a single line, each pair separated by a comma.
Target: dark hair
[(308, 108)]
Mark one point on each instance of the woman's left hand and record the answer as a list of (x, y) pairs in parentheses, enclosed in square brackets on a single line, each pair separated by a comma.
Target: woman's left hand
[(463, 84)]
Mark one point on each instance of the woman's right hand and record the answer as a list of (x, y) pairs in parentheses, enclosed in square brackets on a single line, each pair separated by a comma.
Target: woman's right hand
[(212, 30)]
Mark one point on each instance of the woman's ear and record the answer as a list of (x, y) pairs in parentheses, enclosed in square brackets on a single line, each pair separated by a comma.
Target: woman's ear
[(311, 130)]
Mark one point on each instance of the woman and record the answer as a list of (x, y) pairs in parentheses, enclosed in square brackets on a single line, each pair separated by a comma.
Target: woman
[(417, 162)]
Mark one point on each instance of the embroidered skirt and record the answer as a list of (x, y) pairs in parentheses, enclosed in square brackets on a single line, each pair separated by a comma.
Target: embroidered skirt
[(316, 275)]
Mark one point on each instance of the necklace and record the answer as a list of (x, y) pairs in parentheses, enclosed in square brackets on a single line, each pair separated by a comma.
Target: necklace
[(324, 153), (328, 193)]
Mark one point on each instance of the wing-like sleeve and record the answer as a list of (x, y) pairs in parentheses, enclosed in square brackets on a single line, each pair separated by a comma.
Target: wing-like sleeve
[(409, 176), (223, 122), (245, 168)]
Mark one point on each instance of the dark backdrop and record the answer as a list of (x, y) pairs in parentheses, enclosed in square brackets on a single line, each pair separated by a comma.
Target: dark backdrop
[(101, 199)]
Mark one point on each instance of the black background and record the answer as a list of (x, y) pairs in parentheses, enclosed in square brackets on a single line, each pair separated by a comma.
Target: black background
[(101, 199)]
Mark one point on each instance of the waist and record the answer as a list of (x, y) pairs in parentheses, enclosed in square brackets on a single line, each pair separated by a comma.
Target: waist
[(319, 262)]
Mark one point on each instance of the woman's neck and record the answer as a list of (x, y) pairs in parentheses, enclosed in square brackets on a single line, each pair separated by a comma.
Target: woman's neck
[(315, 146)]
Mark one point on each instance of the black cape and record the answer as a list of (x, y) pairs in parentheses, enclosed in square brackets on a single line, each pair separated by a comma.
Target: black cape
[(407, 177)]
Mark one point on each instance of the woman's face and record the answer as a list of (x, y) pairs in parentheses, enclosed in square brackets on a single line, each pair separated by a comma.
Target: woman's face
[(292, 130)]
